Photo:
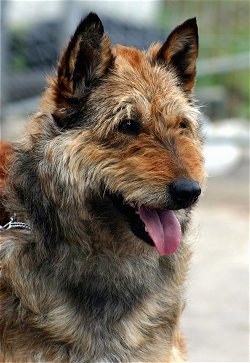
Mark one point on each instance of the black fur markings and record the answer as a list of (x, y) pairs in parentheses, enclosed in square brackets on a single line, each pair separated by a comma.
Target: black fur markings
[(181, 63), (39, 209), (180, 53), (129, 213), (91, 30), (108, 305)]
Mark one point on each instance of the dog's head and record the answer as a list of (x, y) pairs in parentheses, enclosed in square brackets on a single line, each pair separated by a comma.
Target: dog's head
[(119, 132)]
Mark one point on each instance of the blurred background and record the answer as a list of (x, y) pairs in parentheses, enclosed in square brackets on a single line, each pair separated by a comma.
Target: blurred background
[(216, 319)]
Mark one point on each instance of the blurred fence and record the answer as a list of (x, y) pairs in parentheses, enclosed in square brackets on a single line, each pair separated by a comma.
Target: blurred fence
[(30, 53)]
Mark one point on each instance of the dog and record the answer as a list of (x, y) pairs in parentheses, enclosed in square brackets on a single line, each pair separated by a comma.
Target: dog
[(103, 185), (5, 152)]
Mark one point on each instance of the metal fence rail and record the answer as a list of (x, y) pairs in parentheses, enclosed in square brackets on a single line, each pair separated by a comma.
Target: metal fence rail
[(220, 65)]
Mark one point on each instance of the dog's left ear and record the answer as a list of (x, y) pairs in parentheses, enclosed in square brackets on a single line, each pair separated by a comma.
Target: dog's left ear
[(86, 58), (180, 52)]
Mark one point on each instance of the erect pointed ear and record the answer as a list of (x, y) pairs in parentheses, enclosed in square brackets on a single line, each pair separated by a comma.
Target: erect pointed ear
[(86, 58), (180, 52)]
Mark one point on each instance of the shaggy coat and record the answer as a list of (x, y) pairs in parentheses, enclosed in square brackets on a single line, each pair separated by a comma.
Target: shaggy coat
[(5, 152), (106, 177)]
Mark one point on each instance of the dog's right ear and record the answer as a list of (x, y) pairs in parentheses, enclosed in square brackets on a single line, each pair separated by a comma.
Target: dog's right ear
[(86, 58)]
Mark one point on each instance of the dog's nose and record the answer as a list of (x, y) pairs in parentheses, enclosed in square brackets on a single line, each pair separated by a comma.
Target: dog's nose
[(184, 192)]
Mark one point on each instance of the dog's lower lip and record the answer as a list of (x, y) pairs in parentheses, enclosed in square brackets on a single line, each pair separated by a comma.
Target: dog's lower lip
[(130, 211), (159, 228)]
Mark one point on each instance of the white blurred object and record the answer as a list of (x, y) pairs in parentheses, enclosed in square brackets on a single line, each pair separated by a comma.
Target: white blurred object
[(225, 141), (234, 128), (221, 157)]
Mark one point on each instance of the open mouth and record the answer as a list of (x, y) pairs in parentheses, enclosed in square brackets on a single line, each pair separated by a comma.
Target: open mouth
[(157, 227)]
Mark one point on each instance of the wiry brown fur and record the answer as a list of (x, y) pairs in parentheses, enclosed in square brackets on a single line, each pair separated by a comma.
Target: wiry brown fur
[(5, 152), (80, 286)]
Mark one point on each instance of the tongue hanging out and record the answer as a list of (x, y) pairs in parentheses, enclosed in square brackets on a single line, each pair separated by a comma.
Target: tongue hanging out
[(163, 228)]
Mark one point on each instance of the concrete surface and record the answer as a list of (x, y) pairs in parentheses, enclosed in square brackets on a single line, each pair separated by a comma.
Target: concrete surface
[(216, 318)]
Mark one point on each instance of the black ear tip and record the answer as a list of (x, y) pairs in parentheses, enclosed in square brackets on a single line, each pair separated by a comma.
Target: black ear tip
[(192, 23), (192, 20), (91, 21), (92, 18)]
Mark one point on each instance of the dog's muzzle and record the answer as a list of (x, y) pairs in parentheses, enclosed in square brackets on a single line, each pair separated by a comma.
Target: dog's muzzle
[(159, 226)]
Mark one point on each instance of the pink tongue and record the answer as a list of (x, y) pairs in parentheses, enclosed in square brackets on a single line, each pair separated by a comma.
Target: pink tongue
[(163, 227)]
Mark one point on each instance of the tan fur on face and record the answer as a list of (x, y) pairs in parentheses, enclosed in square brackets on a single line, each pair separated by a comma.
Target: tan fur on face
[(161, 154), (81, 286)]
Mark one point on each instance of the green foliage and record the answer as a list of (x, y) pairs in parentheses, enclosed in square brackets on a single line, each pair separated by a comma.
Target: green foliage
[(236, 85), (224, 30), (18, 60)]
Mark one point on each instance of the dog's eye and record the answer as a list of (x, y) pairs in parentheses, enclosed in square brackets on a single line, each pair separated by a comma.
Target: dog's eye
[(183, 124), (129, 126)]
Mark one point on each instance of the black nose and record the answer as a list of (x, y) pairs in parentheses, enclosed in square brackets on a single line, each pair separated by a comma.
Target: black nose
[(184, 192)]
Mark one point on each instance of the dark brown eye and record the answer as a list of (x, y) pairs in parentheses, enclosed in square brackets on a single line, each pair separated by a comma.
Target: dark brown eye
[(129, 127), (183, 124)]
